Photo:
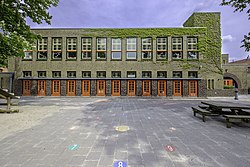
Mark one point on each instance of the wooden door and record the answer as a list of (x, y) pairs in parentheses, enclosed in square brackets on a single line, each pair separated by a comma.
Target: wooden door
[(177, 88), (116, 88), (146, 88), (131, 88), (56, 88), (41, 88), (162, 88), (192, 88), (86, 87), (26, 87), (71, 87), (101, 88)]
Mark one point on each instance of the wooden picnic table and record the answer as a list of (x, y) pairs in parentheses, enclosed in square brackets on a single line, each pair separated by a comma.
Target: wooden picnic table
[(235, 108)]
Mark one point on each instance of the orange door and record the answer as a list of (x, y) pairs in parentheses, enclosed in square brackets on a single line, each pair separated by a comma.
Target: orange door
[(71, 87), (56, 88), (86, 87), (161, 88), (192, 88), (116, 88), (177, 88), (26, 87), (101, 88), (146, 88), (41, 88), (131, 88)]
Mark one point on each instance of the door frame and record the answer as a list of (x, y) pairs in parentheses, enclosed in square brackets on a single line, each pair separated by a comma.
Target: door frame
[(113, 88), (174, 88), (53, 90), (143, 88), (196, 88), (164, 89), (85, 93), (103, 93), (39, 91), (74, 88), (26, 92), (134, 92)]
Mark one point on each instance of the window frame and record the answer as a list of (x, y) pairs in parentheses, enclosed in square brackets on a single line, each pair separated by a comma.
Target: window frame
[(71, 44), (42, 48), (56, 47), (56, 72), (115, 50), (101, 48), (161, 50), (131, 47), (177, 48), (146, 47), (192, 48), (86, 48)]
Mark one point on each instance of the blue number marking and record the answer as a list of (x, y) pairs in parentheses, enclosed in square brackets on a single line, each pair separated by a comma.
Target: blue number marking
[(120, 164)]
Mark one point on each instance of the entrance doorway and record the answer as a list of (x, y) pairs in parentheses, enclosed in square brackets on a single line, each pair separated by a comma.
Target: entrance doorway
[(177, 88), (131, 88), (71, 87), (41, 88), (146, 88), (56, 88), (116, 87), (101, 88)]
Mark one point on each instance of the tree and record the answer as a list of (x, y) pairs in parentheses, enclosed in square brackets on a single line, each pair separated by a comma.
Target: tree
[(241, 5), (15, 34)]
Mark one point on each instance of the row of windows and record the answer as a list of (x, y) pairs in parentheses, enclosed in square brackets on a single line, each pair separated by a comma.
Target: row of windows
[(114, 74), (116, 48)]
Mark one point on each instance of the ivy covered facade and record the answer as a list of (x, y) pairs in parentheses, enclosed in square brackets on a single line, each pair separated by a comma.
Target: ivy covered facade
[(168, 62)]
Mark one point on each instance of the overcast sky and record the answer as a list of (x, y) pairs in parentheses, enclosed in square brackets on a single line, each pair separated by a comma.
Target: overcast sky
[(149, 13)]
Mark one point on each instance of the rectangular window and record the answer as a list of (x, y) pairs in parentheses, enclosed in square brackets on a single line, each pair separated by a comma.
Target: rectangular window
[(208, 84), (86, 48), (86, 74), (28, 55), (162, 48), (71, 48), (176, 48), (101, 74), (116, 49), (131, 49), (192, 48), (56, 48), (27, 74), (41, 74), (42, 51), (101, 49), (56, 74), (146, 48), (71, 74), (146, 74), (131, 74), (192, 74), (116, 74), (161, 74), (177, 74)]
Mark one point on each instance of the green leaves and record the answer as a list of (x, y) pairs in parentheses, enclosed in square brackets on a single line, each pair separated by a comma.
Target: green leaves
[(15, 34), (241, 5)]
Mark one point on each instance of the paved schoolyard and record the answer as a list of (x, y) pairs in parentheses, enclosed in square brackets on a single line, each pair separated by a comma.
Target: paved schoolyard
[(162, 133)]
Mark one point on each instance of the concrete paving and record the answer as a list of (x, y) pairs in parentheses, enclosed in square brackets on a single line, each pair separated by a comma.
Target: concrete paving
[(160, 132)]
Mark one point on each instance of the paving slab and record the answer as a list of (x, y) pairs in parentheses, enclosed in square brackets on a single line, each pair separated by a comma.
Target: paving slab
[(143, 132)]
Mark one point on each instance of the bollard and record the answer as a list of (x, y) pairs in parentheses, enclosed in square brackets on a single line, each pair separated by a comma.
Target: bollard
[(236, 94)]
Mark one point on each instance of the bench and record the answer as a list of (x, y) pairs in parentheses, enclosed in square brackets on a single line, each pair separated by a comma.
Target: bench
[(203, 112), (236, 118), (203, 106)]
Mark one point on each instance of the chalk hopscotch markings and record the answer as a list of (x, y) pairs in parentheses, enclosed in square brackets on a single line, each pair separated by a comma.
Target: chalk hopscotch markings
[(121, 128), (170, 148), (73, 147)]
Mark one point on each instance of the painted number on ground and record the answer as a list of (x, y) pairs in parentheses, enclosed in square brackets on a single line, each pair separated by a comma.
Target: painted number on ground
[(73, 147), (120, 164), (169, 148)]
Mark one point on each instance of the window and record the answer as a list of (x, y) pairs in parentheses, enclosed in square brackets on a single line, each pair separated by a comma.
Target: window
[(116, 49), (101, 74), (131, 48), (101, 49), (162, 48), (176, 48), (86, 74), (71, 48), (57, 48), (146, 74), (248, 69), (116, 74), (161, 74), (192, 47), (41, 74), (27, 74), (42, 49), (27, 55), (71, 74), (192, 74), (86, 48), (177, 74), (146, 48), (210, 83), (131, 74), (56, 74)]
